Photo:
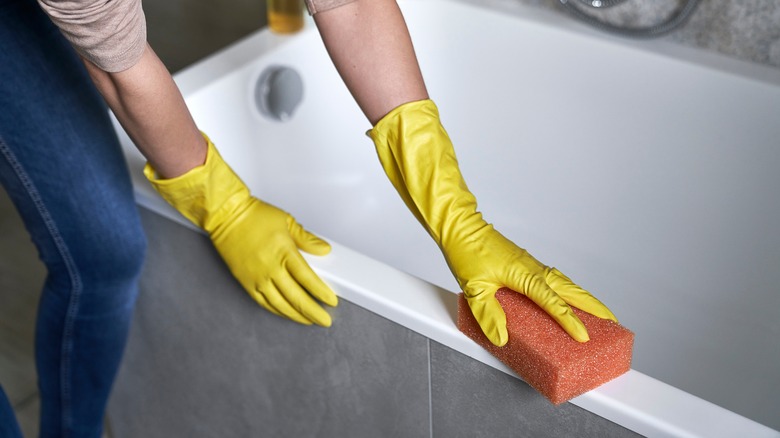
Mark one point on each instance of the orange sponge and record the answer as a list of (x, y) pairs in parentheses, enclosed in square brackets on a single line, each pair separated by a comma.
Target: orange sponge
[(545, 356)]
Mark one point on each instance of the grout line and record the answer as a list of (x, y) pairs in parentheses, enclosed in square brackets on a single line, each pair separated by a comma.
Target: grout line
[(430, 391)]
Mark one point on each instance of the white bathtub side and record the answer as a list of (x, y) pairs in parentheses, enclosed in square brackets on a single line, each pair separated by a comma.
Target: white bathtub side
[(636, 401)]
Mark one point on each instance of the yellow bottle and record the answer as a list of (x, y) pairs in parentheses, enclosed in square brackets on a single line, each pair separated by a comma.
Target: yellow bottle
[(285, 16)]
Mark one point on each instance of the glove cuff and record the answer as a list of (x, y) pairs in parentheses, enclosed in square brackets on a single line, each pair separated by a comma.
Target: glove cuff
[(387, 129), (207, 194), (419, 159)]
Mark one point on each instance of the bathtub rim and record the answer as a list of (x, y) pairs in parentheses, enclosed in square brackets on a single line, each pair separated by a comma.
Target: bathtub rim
[(634, 400)]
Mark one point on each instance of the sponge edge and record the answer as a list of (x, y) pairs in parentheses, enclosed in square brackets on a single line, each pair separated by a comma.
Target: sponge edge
[(545, 356)]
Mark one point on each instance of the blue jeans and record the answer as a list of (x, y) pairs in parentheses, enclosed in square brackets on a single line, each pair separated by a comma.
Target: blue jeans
[(62, 166)]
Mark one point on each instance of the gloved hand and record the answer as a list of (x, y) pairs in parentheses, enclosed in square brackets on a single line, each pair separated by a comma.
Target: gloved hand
[(258, 241), (419, 159)]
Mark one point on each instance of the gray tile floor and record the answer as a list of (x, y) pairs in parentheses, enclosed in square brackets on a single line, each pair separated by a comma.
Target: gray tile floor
[(181, 32)]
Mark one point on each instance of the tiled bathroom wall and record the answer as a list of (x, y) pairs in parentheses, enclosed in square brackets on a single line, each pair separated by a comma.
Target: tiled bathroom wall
[(205, 360), (748, 30), (183, 30)]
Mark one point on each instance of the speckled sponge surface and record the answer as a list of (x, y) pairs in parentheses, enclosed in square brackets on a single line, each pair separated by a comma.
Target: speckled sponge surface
[(545, 356)]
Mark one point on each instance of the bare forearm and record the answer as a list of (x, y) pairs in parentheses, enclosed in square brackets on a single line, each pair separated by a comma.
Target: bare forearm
[(370, 46), (151, 109)]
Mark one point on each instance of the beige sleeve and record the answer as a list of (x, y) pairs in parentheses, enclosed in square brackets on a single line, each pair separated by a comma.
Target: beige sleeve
[(315, 6), (109, 33)]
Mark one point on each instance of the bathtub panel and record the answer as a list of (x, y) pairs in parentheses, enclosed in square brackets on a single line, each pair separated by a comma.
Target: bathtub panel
[(204, 360), (471, 399)]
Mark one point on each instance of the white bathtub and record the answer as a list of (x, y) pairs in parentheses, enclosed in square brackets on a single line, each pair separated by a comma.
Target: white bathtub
[(653, 183)]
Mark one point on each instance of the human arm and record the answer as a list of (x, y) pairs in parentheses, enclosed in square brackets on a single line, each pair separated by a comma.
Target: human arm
[(259, 243), (110, 37), (371, 48), (151, 109)]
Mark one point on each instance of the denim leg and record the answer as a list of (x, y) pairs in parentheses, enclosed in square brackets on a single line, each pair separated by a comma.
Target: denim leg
[(63, 168)]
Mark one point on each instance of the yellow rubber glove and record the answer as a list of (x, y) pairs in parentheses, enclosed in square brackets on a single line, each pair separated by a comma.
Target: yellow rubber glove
[(257, 241), (419, 159)]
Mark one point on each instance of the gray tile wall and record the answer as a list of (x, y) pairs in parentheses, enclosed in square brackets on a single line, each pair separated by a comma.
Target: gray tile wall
[(183, 31), (746, 29), (470, 399), (204, 360)]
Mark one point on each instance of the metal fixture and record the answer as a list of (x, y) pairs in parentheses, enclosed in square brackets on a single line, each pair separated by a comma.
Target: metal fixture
[(278, 92), (657, 30)]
